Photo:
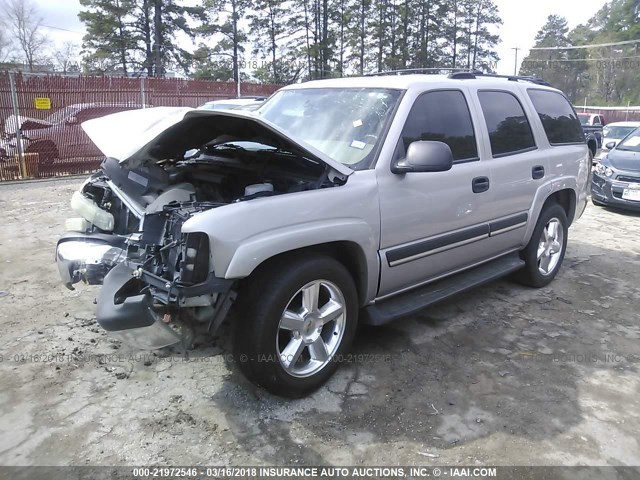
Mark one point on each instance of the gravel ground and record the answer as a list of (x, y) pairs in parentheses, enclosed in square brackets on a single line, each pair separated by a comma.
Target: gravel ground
[(503, 375)]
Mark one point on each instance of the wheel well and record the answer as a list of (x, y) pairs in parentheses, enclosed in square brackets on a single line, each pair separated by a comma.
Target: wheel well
[(567, 200), (347, 253)]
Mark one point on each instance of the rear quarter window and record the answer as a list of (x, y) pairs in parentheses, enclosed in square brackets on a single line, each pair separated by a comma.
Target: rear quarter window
[(559, 119)]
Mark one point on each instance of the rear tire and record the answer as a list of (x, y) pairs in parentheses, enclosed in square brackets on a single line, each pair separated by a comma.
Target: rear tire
[(544, 253), (298, 315)]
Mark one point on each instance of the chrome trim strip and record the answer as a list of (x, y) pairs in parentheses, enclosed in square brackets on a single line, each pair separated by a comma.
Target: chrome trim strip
[(438, 250), (508, 229)]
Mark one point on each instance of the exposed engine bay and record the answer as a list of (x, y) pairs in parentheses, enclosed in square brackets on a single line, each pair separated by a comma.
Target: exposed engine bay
[(129, 233)]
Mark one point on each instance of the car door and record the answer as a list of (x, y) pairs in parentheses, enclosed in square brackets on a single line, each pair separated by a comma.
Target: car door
[(518, 167), (434, 223)]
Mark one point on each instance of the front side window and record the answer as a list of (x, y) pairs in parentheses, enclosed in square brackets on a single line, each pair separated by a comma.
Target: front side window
[(560, 122), (442, 116), (509, 129), (346, 124)]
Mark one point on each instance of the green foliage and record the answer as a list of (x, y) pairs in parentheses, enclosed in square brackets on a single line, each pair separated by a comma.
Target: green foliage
[(285, 41), (602, 75), (136, 36)]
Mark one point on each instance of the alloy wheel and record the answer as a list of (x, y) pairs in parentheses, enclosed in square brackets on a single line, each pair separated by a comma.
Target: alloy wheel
[(311, 328), (550, 246)]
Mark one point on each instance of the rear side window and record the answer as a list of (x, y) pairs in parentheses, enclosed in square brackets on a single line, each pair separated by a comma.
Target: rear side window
[(509, 129), (442, 116), (558, 118)]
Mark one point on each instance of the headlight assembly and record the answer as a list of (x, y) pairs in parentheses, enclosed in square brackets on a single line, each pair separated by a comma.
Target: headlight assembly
[(604, 170), (195, 259)]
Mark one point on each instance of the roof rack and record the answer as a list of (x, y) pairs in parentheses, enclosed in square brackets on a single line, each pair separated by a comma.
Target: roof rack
[(459, 74), (513, 78), (432, 70)]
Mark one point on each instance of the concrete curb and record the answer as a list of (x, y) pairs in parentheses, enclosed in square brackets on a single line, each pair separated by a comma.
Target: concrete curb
[(42, 180)]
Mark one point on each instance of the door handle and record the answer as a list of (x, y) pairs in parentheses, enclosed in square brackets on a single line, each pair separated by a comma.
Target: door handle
[(537, 172), (480, 184)]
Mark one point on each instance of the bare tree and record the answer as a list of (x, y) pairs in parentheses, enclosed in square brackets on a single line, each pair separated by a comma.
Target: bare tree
[(66, 57), (5, 45), (23, 21)]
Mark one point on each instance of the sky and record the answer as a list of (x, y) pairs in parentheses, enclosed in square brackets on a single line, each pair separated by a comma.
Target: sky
[(522, 20)]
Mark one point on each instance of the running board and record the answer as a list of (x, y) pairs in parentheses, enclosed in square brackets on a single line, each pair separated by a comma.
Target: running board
[(415, 300)]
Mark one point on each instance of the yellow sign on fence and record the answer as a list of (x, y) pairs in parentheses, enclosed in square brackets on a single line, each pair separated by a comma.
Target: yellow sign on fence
[(42, 103)]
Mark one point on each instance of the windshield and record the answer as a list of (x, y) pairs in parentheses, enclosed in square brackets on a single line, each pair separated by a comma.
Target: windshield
[(343, 123), (63, 113), (631, 143), (584, 119), (617, 132)]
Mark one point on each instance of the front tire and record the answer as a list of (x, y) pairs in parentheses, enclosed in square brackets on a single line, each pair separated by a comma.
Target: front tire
[(298, 317), (544, 253)]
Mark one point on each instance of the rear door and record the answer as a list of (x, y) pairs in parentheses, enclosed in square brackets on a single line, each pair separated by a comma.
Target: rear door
[(518, 167)]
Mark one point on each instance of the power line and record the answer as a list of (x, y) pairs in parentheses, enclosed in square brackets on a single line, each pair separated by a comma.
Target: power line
[(542, 60), (62, 29), (578, 47)]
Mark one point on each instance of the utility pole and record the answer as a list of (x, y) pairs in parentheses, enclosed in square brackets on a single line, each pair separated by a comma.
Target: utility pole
[(515, 65)]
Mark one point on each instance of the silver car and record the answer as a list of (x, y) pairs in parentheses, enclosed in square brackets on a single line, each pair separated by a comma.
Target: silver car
[(345, 201)]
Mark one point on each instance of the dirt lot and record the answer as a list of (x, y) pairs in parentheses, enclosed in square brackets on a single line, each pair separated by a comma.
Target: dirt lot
[(503, 375)]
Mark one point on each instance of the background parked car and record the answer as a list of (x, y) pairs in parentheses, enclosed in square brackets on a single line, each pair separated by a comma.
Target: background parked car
[(614, 132), (59, 135), (592, 127), (616, 180), (591, 119)]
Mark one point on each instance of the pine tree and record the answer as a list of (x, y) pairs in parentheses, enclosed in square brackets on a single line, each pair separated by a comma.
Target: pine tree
[(108, 41)]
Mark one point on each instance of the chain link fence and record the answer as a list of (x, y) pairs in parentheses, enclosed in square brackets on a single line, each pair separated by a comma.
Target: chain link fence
[(41, 115)]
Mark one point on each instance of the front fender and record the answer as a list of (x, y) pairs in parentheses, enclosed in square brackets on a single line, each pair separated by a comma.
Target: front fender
[(245, 234), (254, 251)]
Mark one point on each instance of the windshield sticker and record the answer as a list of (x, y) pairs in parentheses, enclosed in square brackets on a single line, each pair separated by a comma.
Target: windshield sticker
[(357, 123), (632, 142), (358, 144)]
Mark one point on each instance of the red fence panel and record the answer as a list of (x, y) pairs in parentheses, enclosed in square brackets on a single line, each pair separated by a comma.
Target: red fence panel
[(59, 104)]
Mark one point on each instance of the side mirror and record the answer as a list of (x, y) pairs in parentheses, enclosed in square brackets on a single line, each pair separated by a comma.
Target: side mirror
[(73, 120), (610, 145), (424, 156)]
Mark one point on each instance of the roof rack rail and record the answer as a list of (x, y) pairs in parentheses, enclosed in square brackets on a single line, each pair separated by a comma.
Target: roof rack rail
[(432, 70), (513, 78)]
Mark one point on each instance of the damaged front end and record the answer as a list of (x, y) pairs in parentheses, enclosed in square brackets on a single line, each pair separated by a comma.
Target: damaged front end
[(158, 282)]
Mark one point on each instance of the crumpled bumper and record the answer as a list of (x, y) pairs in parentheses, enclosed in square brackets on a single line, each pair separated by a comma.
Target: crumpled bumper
[(128, 314)]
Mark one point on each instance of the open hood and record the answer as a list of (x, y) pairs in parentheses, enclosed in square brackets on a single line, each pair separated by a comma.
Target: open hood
[(154, 134), (13, 122)]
